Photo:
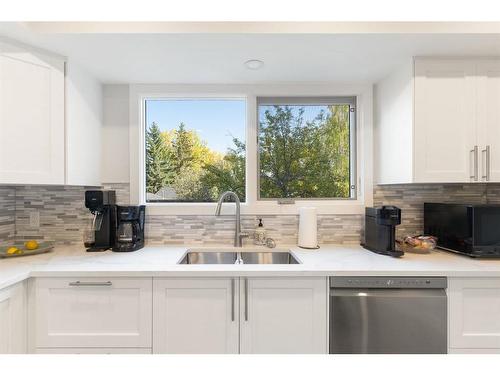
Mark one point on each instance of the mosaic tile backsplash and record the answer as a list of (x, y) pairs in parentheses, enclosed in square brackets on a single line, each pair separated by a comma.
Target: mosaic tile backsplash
[(411, 198), (63, 215)]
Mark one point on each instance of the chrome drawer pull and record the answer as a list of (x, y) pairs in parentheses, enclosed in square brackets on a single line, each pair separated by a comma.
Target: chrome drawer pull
[(232, 299), (246, 299), (90, 283)]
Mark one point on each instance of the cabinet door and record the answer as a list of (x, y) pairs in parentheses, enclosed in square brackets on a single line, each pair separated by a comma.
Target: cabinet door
[(93, 312), (284, 315), (474, 313), (444, 123), (13, 320), (195, 316), (488, 118), (31, 117)]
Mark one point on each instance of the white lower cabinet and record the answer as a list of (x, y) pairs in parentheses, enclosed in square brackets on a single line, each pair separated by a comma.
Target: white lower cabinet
[(93, 313), (198, 315), (284, 315), (474, 315), (240, 315), (13, 318)]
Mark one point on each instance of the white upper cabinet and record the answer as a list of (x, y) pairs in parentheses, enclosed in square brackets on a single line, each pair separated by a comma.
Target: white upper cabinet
[(50, 119), (442, 116), (84, 119), (488, 118), (31, 117), (444, 128)]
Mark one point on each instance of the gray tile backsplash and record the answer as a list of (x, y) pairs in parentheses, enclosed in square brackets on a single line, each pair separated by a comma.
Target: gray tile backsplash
[(7, 214), (212, 230), (63, 215), (411, 198)]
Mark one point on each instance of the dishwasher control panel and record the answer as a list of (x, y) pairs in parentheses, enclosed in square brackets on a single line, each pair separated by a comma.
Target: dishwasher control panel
[(388, 282)]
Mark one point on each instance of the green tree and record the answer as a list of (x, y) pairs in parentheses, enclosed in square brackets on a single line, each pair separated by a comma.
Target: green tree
[(228, 173), (304, 159), (182, 148), (158, 160)]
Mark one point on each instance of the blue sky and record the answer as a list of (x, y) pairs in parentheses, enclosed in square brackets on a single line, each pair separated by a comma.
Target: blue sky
[(214, 120)]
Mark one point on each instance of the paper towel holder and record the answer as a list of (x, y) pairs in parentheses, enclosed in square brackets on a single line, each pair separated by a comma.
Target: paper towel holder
[(309, 248)]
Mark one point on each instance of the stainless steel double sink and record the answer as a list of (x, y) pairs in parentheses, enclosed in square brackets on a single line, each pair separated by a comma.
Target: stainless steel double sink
[(231, 257)]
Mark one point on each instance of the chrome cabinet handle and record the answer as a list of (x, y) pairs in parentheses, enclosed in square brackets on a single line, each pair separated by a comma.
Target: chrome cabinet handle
[(246, 299), (488, 158), (473, 174), (232, 300), (485, 163), (90, 283)]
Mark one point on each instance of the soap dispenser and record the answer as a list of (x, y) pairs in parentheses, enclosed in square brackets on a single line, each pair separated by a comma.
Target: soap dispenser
[(260, 234)]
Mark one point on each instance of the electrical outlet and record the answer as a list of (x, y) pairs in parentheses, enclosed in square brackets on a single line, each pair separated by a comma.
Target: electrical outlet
[(35, 219)]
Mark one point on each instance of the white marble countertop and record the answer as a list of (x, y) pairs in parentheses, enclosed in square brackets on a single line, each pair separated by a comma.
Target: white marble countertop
[(330, 260)]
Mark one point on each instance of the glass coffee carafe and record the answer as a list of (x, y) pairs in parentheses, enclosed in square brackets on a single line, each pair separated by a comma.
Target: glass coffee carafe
[(89, 233), (125, 233)]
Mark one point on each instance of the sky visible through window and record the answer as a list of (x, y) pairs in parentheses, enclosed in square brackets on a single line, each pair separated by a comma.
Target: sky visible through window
[(216, 121)]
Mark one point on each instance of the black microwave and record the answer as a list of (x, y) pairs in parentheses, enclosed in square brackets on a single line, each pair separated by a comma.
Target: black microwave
[(472, 230)]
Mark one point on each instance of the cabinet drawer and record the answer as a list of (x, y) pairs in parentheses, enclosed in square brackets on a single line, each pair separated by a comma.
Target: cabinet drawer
[(93, 312)]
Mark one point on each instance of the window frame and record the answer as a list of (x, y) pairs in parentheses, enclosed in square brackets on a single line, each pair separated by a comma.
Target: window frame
[(363, 143), (314, 100)]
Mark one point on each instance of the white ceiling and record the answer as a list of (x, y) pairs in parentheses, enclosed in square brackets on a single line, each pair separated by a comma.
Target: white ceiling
[(219, 57)]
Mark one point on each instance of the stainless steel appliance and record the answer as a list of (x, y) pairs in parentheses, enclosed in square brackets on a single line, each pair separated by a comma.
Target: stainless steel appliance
[(388, 315), (471, 230)]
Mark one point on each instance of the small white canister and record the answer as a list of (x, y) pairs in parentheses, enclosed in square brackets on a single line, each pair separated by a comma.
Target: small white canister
[(308, 228)]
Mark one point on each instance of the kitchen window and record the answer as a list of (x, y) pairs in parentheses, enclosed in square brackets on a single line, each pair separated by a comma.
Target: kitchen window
[(306, 148), (194, 149), (278, 151)]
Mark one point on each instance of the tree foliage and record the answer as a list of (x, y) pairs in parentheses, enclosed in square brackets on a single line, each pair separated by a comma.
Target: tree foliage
[(304, 159), (158, 160), (298, 158)]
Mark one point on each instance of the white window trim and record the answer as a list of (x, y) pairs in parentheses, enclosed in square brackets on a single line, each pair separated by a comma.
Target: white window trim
[(252, 206)]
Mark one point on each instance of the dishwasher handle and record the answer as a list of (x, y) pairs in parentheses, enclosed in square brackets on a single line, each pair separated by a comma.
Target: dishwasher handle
[(392, 293)]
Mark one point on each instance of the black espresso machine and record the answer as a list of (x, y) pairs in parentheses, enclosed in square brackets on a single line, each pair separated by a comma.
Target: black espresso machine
[(102, 204), (380, 230)]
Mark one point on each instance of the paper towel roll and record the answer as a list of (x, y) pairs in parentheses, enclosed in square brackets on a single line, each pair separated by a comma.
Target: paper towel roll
[(308, 228)]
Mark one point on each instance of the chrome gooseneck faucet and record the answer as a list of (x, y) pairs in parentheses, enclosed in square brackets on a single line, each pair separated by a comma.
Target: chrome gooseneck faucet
[(238, 235)]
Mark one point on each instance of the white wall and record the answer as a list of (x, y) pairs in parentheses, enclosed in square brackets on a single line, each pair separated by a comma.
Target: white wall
[(83, 126), (393, 126), (115, 134)]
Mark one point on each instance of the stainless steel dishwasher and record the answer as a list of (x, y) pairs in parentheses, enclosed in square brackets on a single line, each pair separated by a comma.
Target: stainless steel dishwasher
[(388, 315)]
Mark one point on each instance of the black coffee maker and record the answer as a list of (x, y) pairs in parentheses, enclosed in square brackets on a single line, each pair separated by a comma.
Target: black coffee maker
[(380, 230), (101, 203), (130, 228)]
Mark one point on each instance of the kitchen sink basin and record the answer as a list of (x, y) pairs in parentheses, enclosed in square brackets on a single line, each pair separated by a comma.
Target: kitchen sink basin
[(209, 257), (269, 257), (230, 257)]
